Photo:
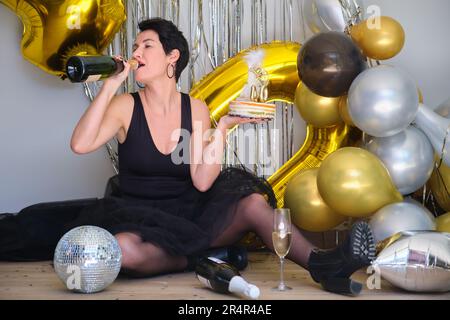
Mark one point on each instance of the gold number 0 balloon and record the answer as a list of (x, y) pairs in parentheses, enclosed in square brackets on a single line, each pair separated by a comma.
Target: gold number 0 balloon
[(55, 30), (226, 82)]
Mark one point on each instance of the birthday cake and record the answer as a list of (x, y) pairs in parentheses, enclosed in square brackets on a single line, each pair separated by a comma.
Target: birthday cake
[(251, 103), (252, 109)]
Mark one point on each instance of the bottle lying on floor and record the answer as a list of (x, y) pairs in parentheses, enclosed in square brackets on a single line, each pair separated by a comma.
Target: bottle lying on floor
[(224, 278)]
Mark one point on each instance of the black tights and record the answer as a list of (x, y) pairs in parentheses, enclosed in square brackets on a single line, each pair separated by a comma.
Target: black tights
[(138, 258), (252, 214)]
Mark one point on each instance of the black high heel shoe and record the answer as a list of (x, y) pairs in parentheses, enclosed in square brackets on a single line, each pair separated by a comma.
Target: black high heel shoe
[(234, 255), (333, 268)]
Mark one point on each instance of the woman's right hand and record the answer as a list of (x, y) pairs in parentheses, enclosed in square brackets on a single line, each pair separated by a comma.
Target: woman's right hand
[(228, 122), (120, 77)]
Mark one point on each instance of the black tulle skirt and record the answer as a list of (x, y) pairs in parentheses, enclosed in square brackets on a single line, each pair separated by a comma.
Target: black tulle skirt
[(181, 226)]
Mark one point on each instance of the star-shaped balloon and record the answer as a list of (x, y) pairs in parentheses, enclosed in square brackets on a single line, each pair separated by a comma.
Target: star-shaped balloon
[(54, 30)]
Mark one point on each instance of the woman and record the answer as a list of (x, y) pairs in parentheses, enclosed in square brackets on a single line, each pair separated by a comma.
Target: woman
[(174, 200)]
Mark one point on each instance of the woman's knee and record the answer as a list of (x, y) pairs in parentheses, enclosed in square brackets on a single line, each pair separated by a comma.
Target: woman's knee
[(129, 245), (253, 205)]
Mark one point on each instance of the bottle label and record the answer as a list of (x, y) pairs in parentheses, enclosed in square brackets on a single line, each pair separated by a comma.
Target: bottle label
[(94, 77), (204, 281), (216, 260)]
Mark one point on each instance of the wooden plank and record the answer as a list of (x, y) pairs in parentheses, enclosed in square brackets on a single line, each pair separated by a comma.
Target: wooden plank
[(37, 280)]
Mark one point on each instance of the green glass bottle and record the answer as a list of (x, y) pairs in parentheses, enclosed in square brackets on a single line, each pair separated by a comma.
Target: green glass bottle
[(92, 68)]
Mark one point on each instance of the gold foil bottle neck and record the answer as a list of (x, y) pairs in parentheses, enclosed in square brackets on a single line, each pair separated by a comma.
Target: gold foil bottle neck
[(133, 64)]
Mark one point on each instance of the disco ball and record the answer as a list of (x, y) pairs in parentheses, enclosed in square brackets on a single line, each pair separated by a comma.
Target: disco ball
[(87, 259)]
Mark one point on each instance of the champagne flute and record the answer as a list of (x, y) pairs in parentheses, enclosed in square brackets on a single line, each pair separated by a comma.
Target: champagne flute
[(281, 239)]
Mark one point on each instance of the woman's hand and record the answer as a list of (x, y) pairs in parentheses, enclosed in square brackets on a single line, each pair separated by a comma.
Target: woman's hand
[(228, 122), (120, 77)]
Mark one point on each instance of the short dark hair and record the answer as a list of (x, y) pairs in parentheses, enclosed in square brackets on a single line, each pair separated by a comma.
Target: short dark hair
[(171, 38)]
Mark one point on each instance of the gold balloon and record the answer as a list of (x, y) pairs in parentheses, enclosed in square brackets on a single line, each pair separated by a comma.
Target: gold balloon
[(343, 111), (319, 111), (319, 143), (308, 209), (55, 30), (420, 95), (388, 241), (355, 183), (379, 42), (443, 223), (226, 82), (439, 184)]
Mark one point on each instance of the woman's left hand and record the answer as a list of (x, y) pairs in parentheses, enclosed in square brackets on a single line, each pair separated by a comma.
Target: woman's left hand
[(228, 122)]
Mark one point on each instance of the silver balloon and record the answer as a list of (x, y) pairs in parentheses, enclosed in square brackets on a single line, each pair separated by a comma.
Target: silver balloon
[(408, 156), (437, 130), (330, 15), (398, 217), (444, 109), (87, 259), (417, 261), (410, 199), (383, 101)]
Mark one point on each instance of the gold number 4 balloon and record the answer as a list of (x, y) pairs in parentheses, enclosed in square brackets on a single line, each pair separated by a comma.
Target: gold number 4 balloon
[(55, 30), (226, 82)]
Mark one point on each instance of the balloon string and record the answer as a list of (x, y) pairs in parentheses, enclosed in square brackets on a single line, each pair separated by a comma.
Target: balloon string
[(424, 195), (430, 199), (234, 151), (291, 137), (302, 14), (433, 203), (443, 150), (113, 156)]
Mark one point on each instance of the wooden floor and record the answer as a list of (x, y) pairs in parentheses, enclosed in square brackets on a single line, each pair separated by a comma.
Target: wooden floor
[(37, 280)]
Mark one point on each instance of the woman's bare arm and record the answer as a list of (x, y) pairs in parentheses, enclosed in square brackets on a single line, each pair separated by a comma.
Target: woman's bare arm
[(207, 145), (103, 118)]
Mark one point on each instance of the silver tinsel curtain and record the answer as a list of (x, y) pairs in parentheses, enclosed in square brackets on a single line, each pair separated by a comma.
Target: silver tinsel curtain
[(217, 30)]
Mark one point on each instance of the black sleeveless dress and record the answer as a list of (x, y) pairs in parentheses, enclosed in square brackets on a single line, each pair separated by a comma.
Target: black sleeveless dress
[(155, 198)]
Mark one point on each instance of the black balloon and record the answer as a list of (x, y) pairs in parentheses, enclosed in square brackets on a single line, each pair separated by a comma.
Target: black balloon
[(329, 62)]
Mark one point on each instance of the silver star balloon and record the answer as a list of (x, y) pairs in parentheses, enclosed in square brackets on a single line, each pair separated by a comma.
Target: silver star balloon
[(416, 261)]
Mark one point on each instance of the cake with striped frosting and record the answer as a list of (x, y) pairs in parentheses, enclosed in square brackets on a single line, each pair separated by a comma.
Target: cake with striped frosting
[(251, 109)]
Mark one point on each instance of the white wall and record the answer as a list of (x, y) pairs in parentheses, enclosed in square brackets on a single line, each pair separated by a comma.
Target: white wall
[(38, 112), (426, 54)]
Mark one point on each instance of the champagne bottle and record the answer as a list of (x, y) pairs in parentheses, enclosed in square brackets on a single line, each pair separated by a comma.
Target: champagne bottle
[(234, 255), (93, 68), (224, 278)]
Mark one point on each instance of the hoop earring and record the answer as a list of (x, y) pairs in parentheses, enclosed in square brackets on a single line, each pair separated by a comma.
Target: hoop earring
[(140, 85), (173, 71)]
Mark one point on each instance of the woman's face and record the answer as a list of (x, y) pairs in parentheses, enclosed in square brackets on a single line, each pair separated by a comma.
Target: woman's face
[(153, 61)]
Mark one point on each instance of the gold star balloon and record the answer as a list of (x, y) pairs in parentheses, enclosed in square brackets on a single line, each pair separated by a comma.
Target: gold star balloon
[(54, 30)]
